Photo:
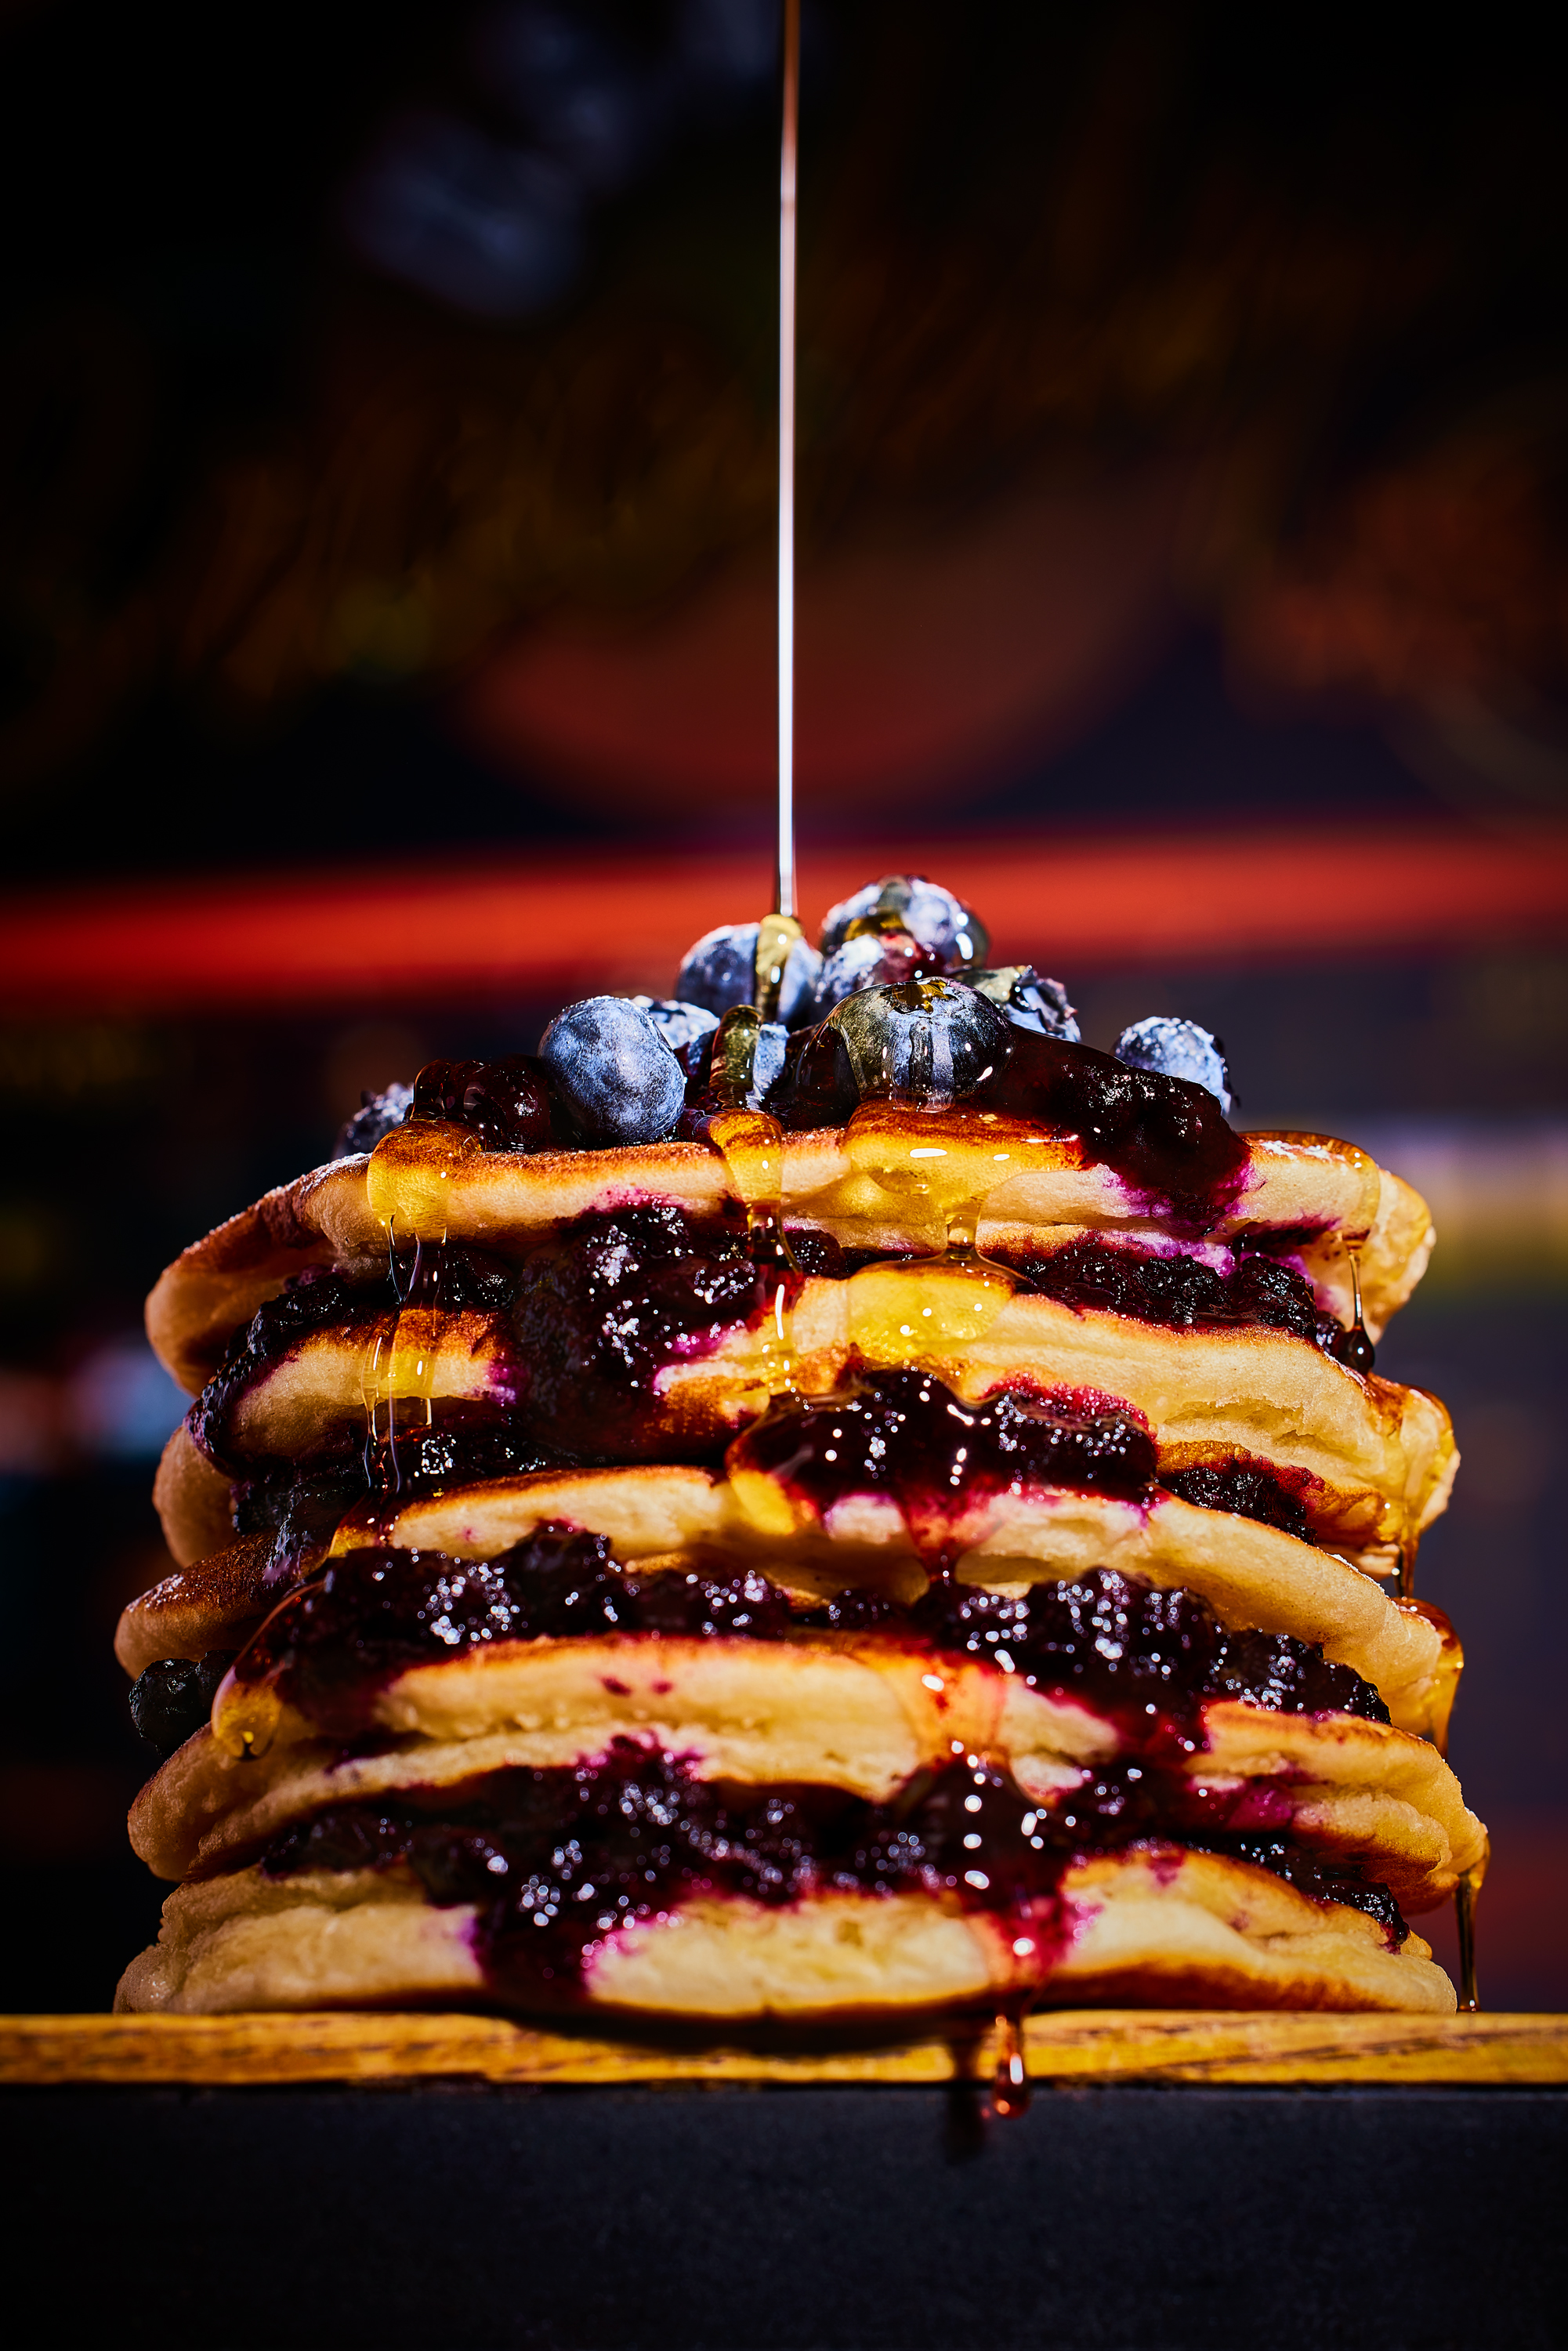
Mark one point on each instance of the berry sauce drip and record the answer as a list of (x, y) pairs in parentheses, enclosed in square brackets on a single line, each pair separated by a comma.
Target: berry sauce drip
[(556, 1861), (902, 1433), (1166, 1138)]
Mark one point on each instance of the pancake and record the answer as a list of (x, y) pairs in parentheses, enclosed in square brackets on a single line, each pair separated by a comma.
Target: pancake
[(1156, 1927), (1371, 1460), (1310, 1196), (876, 1571), (1252, 1575), (864, 1716)]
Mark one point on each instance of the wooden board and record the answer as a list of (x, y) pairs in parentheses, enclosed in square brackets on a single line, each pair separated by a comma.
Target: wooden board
[(1082, 2045)]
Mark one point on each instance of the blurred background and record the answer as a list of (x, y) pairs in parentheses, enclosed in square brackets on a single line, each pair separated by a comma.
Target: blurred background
[(386, 498)]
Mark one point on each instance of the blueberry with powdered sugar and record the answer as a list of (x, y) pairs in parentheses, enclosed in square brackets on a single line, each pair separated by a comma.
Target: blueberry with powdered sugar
[(949, 932), (1177, 1048), (720, 971), (612, 1070), (377, 1115), (1027, 999)]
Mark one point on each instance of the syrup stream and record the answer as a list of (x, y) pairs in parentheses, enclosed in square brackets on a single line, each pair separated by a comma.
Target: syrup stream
[(1466, 1892), (784, 875)]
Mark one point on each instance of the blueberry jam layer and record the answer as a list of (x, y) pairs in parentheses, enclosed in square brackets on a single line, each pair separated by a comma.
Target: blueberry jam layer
[(301, 1507), (1181, 1293), (450, 1278), (1148, 1658), (603, 1308), (902, 1433), (554, 1861)]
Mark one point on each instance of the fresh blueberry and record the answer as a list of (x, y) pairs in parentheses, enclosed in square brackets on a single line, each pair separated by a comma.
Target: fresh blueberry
[(613, 1072), (377, 1115), (748, 1058), (1029, 1001), (170, 1701), (1177, 1048), (677, 1023), (928, 1041), (934, 918), (720, 971)]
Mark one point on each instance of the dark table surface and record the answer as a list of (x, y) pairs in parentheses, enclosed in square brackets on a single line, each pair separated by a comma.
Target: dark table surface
[(810, 2219)]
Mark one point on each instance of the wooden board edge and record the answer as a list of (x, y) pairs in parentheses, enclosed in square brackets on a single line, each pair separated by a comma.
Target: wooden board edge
[(1063, 2046)]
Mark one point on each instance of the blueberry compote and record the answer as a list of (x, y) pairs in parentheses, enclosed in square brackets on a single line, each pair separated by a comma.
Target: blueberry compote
[(1147, 1657), (902, 1433), (454, 1278), (615, 1297), (555, 1861), (1181, 1293), (331, 1648)]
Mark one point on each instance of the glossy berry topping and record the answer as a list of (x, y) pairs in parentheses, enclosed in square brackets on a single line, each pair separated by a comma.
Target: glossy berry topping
[(872, 959), (372, 1613), (505, 1104), (610, 1068), (553, 1862), (377, 1115), (904, 1435), (1179, 1293), (1177, 1049), (172, 1699)]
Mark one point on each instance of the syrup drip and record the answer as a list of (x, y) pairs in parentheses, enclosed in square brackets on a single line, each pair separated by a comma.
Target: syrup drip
[(752, 1147), (1450, 1666), (1357, 1351), (1407, 1567), (1010, 2082), (1467, 1894), (407, 1187), (776, 934), (938, 1170)]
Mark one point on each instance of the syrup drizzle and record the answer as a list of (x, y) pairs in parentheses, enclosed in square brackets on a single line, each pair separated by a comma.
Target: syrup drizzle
[(938, 1171), (406, 1186), (751, 1145), (1357, 1351), (1467, 1894)]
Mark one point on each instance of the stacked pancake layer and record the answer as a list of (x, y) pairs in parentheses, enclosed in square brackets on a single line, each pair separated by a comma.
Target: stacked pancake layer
[(624, 1609)]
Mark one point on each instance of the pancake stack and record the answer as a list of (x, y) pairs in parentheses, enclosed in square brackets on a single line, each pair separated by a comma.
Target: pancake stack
[(879, 1515)]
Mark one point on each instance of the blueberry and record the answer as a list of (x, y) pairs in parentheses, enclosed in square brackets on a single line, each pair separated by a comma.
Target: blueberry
[(505, 1104), (1177, 1048), (1026, 1000), (613, 1072), (927, 1040), (169, 1702), (377, 1115), (934, 918), (720, 971), (748, 1058), (678, 1024)]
